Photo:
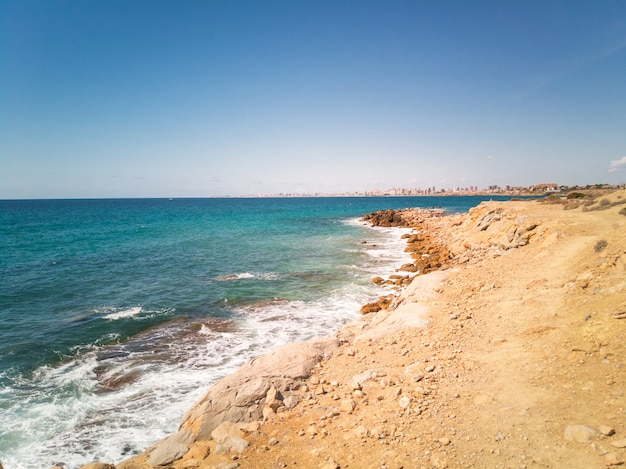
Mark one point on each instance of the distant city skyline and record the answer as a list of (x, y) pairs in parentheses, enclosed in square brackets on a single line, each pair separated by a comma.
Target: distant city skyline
[(206, 98)]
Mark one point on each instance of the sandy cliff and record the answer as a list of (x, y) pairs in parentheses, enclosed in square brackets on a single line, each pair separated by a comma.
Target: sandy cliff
[(510, 355)]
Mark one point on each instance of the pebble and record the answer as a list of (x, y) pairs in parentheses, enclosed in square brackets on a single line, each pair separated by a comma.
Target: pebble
[(347, 405), (361, 431), (606, 430), (405, 402)]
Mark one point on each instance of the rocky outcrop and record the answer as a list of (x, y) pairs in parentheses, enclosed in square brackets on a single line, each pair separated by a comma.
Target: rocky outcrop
[(408, 217), (493, 228), (241, 397)]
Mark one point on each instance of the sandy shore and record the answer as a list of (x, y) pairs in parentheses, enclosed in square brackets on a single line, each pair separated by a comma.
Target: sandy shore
[(510, 355)]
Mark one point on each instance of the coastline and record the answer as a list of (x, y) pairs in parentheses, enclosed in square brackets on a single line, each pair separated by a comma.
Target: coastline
[(424, 393)]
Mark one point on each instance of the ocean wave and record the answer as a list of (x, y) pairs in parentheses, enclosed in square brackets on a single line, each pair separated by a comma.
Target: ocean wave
[(245, 275), (124, 313)]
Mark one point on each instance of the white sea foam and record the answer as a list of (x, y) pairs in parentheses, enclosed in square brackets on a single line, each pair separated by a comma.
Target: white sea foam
[(124, 313)]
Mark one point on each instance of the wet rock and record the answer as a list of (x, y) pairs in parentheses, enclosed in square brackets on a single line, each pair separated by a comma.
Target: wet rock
[(170, 449), (579, 433)]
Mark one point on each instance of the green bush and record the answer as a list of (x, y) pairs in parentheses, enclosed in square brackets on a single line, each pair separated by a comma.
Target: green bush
[(575, 195)]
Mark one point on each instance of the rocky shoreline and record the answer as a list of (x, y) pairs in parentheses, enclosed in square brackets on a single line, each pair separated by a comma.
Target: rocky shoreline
[(518, 303)]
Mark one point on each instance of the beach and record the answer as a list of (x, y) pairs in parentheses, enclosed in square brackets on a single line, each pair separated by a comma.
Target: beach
[(508, 355)]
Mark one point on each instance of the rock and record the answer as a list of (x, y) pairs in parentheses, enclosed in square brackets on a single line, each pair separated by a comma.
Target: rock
[(93, 465), (613, 459), (347, 405), (444, 441), (619, 443), (583, 280), (361, 432), (268, 413), (169, 449), (225, 431), (130, 464), (357, 381), (606, 430), (579, 433), (250, 427), (405, 401), (238, 397), (273, 399), (290, 402), (234, 444)]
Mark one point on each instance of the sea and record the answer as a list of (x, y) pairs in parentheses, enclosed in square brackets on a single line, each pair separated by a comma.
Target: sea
[(117, 315)]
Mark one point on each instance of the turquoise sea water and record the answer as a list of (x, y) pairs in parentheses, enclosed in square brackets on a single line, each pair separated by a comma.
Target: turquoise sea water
[(116, 315)]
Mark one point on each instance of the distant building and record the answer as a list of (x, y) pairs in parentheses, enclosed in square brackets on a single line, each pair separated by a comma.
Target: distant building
[(545, 187)]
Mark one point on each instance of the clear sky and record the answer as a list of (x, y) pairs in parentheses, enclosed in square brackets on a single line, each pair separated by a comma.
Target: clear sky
[(132, 98)]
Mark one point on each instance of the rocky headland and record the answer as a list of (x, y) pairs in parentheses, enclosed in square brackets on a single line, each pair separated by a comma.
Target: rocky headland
[(503, 347)]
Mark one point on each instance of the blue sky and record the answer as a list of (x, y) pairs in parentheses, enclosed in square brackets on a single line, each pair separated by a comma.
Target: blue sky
[(130, 98)]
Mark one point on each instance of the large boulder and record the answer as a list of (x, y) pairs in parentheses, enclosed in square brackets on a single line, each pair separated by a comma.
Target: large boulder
[(240, 397)]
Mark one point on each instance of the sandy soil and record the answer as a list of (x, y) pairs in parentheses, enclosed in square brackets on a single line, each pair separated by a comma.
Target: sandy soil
[(522, 363)]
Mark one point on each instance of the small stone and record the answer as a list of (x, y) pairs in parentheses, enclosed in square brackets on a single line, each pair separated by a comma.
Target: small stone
[(273, 441), (579, 433), (405, 401), (290, 402), (444, 441), (606, 430), (347, 405), (312, 430), (613, 459), (361, 431)]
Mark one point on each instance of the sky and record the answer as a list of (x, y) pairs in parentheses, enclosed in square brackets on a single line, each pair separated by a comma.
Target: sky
[(133, 98)]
